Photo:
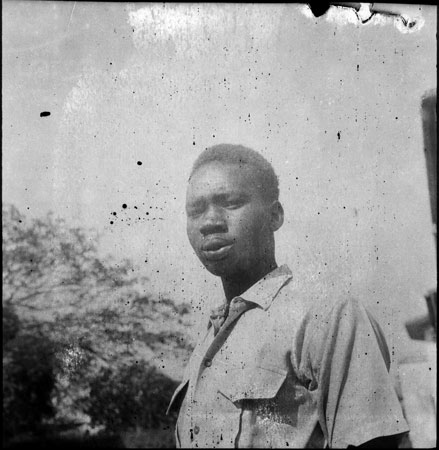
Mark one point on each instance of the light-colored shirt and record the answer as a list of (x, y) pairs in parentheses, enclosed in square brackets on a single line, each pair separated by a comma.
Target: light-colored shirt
[(292, 372)]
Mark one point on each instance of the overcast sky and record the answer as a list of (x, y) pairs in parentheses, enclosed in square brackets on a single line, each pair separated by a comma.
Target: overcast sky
[(333, 104)]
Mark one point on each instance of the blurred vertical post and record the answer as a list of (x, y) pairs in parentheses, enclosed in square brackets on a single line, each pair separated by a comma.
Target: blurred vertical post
[(429, 126), (418, 369), (425, 328)]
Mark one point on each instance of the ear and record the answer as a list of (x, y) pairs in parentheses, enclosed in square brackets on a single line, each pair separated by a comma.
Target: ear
[(276, 215)]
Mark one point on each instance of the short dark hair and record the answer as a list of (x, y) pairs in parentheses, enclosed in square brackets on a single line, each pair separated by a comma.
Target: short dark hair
[(268, 182)]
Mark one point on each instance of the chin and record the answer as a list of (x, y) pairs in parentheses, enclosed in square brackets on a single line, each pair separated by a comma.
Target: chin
[(217, 268), (222, 268), (225, 269)]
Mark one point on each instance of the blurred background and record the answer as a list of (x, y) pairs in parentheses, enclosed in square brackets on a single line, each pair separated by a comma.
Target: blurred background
[(105, 107)]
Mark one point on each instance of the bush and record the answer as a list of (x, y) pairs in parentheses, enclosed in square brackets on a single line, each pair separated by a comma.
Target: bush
[(74, 323), (28, 380), (11, 323), (134, 396)]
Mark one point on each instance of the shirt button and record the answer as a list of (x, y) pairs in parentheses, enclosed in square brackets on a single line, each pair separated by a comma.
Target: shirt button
[(196, 429), (208, 362)]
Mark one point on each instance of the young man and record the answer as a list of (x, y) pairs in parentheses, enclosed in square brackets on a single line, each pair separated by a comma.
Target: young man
[(278, 366)]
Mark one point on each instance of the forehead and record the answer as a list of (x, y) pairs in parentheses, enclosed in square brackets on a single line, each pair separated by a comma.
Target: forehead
[(219, 177)]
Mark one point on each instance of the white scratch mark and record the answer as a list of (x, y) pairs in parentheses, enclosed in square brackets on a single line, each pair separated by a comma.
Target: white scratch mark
[(366, 15), (70, 18), (342, 15), (306, 11)]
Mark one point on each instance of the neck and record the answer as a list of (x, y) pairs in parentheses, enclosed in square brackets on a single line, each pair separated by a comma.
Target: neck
[(238, 283)]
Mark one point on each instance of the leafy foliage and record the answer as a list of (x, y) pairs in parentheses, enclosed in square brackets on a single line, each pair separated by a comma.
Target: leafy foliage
[(100, 338), (132, 397), (11, 323), (47, 265), (28, 381)]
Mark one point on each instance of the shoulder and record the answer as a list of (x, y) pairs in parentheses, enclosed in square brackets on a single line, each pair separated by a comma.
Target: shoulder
[(316, 307), (316, 315)]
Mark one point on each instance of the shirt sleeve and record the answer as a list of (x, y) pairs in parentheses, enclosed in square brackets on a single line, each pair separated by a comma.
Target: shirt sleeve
[(350, 361)]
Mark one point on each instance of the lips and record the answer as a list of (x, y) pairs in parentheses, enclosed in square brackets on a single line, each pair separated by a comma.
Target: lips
[(216, 248), (214, 244)]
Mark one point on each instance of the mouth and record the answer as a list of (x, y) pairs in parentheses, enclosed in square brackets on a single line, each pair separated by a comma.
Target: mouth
[(216, 249)]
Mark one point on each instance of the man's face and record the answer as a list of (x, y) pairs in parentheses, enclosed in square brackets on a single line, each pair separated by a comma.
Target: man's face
[(228, 220)]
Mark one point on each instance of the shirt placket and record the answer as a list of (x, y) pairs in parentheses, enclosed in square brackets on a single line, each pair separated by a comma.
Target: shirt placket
[(199, 392)]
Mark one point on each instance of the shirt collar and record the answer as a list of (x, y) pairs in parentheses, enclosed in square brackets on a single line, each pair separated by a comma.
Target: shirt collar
[(263, 292)]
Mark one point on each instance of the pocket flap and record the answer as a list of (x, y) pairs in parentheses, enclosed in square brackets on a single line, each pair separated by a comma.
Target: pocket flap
[(176, 395), (254, 383)]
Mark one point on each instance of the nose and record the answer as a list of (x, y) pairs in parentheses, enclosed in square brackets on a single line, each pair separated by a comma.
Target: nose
[(213, 221)]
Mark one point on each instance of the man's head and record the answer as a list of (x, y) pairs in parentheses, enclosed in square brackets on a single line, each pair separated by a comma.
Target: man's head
[(263, 174), (233, 210)]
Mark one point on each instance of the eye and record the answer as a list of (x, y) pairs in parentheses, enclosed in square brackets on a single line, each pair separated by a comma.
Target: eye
[(194, 212), (233, 204)]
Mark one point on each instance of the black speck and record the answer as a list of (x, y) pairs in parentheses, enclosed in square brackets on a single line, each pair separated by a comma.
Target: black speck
[(124, 206), (139, 163), (44, 114)]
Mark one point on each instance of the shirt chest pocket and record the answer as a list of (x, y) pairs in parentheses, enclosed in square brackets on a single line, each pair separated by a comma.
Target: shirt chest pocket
[(253, 383)]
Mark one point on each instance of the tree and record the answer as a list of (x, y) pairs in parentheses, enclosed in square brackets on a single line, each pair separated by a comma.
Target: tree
[(11, 323), (132, 397), (94, 314), (28, 378), (48, 265)]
